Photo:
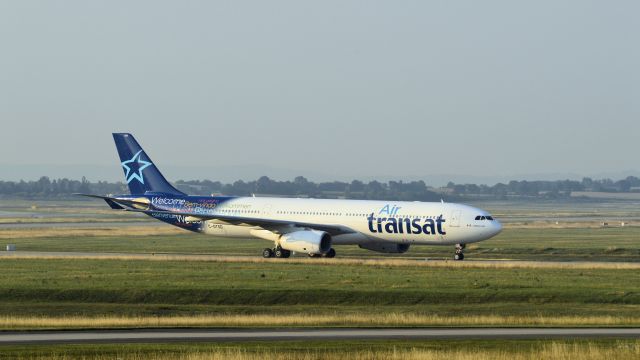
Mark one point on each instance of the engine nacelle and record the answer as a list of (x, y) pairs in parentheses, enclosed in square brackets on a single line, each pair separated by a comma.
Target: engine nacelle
[(385, 247), (307, 241)]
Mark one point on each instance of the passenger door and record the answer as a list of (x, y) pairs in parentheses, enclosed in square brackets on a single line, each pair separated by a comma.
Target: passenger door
[(266, 210), (455, 218)]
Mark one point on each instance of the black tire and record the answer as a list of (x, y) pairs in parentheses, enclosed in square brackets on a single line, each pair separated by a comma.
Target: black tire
[(286, 253), (279, 253), (458, 257), (331, 253), (267, 253)]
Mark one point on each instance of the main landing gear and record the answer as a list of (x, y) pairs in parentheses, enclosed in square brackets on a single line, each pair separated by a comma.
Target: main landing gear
[(329, 254), (459, 255), (281, 253), (278, 252)]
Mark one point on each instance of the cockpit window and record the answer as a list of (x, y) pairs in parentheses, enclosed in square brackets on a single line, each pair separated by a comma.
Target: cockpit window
[(481, 217)]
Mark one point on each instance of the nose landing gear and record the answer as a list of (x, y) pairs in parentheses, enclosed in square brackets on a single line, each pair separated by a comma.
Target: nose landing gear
[(459, 252)]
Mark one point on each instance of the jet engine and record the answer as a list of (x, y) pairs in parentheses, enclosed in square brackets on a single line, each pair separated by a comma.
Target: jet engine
[(307, 241), (385, 247)]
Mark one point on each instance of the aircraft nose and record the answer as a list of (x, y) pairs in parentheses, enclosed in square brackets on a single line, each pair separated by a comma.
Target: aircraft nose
[(497, 227)]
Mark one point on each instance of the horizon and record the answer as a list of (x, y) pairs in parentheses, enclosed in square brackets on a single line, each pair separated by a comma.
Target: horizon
[(443, 183)]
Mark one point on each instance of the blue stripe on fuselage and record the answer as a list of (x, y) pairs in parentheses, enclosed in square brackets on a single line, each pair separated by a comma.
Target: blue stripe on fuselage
[(204, 205)]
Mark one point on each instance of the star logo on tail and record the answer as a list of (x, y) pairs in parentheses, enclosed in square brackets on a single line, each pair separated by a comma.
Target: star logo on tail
[(134, 167)]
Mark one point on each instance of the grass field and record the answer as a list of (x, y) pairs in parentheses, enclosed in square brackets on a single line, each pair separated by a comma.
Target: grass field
[(353, 289), (118, 293), (359, 350), (542, 244)]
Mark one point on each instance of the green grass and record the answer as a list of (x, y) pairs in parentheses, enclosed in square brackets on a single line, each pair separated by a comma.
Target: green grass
[(573, 244), (115, 287), (606, 244)]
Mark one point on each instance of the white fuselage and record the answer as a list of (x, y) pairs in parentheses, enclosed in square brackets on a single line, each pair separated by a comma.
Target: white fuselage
[(373, 221)]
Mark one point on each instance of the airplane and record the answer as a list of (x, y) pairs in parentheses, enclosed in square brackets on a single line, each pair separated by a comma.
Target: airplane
[(308, 226)]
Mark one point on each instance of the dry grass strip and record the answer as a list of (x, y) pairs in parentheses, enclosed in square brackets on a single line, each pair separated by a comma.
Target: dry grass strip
[(554, 350), (323, 320), (620, 350)]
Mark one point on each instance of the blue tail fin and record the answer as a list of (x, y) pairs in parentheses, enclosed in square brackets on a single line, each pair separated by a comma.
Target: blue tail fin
[(139, 171)]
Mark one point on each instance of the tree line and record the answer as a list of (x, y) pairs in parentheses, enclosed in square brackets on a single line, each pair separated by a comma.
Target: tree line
[(546, 189), (301, 187)]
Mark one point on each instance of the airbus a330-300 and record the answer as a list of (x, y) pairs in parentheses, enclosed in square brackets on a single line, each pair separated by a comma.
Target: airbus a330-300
[(309, 226)]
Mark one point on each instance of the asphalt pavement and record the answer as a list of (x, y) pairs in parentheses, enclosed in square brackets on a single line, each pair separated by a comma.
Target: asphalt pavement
[(220, 335)]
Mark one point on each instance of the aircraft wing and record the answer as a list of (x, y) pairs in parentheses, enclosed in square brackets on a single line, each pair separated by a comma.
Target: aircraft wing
[(276, 226)]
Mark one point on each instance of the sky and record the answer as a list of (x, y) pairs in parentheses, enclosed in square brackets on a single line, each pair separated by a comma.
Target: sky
[(404, 90)]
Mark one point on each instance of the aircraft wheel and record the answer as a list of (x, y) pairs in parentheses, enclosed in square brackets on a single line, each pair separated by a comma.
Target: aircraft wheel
[(286, 253), (279, 252), (267, 253), (459, 252), (331, 253)]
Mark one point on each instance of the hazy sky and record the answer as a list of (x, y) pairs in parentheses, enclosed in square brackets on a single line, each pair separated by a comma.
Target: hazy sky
[(327, 89)]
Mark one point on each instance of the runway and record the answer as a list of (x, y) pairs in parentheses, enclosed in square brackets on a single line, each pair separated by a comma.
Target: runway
[(405, 261), (221, 335)]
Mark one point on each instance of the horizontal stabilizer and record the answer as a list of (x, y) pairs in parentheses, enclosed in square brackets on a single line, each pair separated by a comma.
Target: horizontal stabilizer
[(113, 204), (117, 202)]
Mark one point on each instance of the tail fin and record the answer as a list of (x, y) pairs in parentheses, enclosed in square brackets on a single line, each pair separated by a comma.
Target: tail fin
[(139, 171)]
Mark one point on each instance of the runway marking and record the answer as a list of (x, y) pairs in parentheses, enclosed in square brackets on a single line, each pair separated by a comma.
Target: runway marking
[(220, 335)]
